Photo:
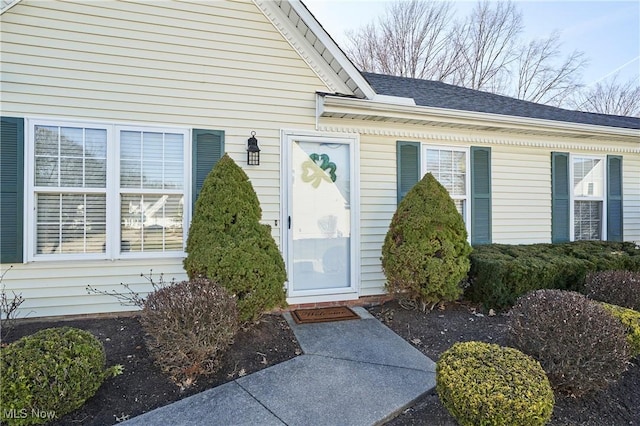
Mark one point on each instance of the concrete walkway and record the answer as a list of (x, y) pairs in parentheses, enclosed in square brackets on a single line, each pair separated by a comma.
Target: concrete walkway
[(355, 372)]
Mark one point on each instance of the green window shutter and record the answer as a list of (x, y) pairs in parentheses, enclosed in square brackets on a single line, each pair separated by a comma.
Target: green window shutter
[(11, 189), (614, 198), (408, 166), (208, 148), (560, 197), (480, 195)]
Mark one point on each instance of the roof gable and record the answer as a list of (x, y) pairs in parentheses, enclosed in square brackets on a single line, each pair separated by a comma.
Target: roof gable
[(307, 36)]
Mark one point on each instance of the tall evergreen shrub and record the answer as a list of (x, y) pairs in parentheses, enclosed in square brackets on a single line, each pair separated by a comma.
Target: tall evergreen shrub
[(228, 244), (425, 255)]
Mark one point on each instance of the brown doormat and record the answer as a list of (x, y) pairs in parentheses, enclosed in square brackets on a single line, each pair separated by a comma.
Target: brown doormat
[(337, 313)]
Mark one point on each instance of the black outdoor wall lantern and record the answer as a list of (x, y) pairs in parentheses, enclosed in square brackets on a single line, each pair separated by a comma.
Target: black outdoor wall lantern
[(253, 152)]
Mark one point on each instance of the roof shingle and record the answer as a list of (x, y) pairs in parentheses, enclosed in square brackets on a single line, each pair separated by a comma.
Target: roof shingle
[(442, 95)]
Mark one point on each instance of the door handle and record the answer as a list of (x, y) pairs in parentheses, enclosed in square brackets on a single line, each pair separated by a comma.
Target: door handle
[(289, 222)]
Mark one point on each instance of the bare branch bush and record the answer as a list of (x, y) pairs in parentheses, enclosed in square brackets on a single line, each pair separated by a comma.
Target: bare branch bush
[(9, 305), (131, 297), (188, 324)]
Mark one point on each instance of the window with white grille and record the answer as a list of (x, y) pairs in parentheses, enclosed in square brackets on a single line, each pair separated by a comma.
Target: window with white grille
[(449, 166), (106, 191), (588, 190)]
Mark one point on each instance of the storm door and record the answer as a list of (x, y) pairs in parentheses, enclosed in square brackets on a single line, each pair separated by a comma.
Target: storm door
[(321, 215)]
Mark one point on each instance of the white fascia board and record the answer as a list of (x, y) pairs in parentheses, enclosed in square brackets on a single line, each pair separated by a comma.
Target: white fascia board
[(334, 104), (394, 100), (8, 4), (333, 48), (289, 30)]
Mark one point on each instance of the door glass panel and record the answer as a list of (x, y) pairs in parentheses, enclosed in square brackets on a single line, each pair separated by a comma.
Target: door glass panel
[(321, 219)]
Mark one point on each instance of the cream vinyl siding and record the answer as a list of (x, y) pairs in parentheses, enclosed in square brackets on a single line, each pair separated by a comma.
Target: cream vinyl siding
[(60, 288), (521, 195), (631, 197), (377, 205), (217, 65), (521, 184)]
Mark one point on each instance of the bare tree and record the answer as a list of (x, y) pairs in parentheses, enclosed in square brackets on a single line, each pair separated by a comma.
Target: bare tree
[(611, 97), (363, 48), (486, 41), (410, 40), (418, 39), (541, 78)]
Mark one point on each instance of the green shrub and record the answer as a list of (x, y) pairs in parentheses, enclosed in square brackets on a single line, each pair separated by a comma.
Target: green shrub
[(630, 319), (501, 273), (620, 288), (189, 324), (486, 384), (52, 372), (425, 252), (605, 255), (228, 245), (580, 345)]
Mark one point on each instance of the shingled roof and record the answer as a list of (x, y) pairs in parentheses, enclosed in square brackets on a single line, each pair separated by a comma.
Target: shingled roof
[(442, 95)]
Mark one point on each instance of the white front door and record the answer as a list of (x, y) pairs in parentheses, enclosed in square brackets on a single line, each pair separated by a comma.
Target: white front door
[(321, 218)]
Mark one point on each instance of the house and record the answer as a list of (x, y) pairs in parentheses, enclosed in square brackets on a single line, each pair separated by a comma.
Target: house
[(114, 112)]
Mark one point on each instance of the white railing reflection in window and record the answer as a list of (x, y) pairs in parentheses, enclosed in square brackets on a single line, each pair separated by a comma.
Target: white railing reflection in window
[(151, 191), (151, 222)]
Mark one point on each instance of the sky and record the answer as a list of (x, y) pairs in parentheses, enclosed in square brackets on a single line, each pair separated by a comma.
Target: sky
[(608, 32)]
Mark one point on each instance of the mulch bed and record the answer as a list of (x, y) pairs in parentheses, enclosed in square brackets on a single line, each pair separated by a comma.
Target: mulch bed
[(434, 332), (143, 387)]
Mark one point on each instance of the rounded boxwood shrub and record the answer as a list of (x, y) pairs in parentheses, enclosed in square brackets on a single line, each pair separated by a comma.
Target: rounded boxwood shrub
[(425, 255), (630, 319), (228, 244), (486, 384), (580, 345), (52, 372), (189, 324), (620, 288)]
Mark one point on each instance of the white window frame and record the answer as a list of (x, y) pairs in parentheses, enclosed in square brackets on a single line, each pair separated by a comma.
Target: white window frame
[(574, 198), (113, 191), (467, 198)]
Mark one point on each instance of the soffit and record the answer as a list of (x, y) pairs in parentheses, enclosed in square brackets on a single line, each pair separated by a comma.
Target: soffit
[(353, 111)]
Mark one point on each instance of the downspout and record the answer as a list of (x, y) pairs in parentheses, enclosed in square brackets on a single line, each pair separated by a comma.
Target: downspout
[(319, 108)]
